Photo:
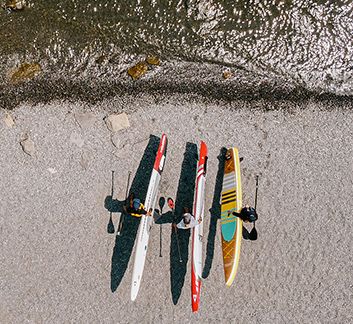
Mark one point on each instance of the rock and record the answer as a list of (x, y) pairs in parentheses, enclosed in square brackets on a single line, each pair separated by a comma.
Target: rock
[(9, 121), (85, 120), (14, 5), (227, 74), (101, 59), (138, 70), (27, 145), (153, 60), (24, 72), (117, 122), (77, 139)]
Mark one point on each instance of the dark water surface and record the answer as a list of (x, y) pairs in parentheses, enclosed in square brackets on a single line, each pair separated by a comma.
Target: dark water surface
[(270, 46)]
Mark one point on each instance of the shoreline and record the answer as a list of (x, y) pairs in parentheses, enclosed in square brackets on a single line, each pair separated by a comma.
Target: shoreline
[(46, 92), (199, 82)]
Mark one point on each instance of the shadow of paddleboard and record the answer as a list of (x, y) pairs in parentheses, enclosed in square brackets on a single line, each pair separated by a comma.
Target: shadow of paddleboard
[(215, 214), (184, 198), (124, 242)]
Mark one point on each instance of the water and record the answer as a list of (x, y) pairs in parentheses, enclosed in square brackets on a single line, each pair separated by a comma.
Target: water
[(286, 45)]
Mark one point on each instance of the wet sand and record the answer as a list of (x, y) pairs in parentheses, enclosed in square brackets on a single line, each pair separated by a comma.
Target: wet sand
[(59, 263)]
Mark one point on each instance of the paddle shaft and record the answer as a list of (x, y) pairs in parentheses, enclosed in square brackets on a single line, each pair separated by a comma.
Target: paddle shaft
[(121, 222), (253, 233), (257, 187), (160, 234), (160, 240)]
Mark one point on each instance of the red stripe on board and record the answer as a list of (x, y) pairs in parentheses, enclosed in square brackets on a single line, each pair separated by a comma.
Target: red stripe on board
[(161, 151)]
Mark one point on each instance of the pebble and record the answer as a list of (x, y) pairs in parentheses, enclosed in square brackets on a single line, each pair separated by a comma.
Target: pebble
[(138, 70), (14, 5), (153, 60), (227, 74), (9, 121), (84, 161), (25, 71)]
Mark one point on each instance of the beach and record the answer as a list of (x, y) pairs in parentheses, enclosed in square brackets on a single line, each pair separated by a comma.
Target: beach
[(59, 263)]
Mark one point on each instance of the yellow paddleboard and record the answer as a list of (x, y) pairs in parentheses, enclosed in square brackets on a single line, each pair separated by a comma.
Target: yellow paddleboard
[(231, 226)]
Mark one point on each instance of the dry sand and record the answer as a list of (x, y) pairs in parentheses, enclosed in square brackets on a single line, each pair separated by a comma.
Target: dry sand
[(58, 263)]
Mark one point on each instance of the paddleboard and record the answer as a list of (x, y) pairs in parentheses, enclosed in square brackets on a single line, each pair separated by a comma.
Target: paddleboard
[(231, 226), (197, 231), (147, 221)]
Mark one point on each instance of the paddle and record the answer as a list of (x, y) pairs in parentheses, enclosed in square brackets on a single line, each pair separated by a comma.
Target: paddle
[(253, 232), (161, 205), (121, 222), (170, 202), (110, 227)]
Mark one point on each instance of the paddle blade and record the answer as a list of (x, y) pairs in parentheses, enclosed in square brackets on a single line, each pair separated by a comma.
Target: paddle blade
[(245, 234), (253, 234), (170, 202)]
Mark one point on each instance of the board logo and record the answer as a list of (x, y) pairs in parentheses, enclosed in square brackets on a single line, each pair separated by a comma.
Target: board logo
[(161, 163)]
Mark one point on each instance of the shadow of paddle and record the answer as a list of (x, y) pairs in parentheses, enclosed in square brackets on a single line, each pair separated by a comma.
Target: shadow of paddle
[(184, 198), (108, 202), (124, 242), (215, 214), (110, 226)]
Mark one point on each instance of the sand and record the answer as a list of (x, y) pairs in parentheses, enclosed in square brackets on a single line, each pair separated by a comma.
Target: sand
[(59, 264)]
